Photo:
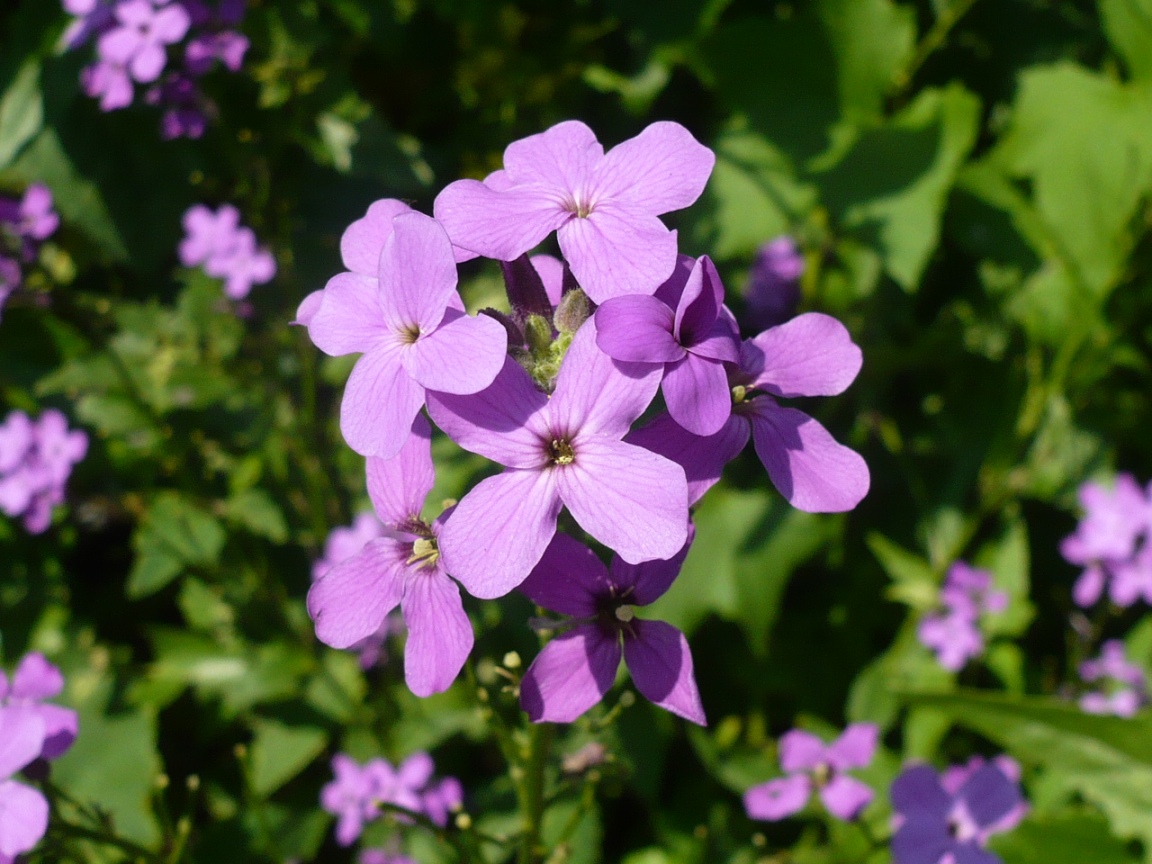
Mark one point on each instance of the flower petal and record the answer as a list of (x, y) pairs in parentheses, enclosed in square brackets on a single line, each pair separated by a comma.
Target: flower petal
[(500, 225), (800, 751), (380, 403), (417, 273), (922, 841), (660, 662), (618, 250), (363, 240), (855, 747), (570, 675), (398, 486), (308, 308), (21, 738), (60, 728), (811, 355), (568, 579), (697, 395), (463, 355), (918, 795), (663, 168), (637, 328), (36, 678), (349, 319), (703, 459), (778, 799), (845, 797), (23, 818), (989, 795), (439, 633), (551, 270), (650, 579), (561, 157), (805, 463), (350, 601)]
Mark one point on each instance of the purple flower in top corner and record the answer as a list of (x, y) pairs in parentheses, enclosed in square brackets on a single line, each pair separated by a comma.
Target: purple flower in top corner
[(603, 206), (954, 632), (560, 451), (574, 671), (949, 818), (138, 42), (91, 19), (811, 765), (1112, 543), (402, 312), (33, 683), (773, 290), (687, 331), (23, 810), (1122, 686)]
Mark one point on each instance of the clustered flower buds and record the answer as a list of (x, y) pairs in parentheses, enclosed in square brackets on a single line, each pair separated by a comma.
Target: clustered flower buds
[(25, 223), (36, 458), (216, 241)]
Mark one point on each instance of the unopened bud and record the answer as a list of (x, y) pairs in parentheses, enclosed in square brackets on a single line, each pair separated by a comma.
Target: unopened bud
[(538, 333), (463, 821), (572, 311), (512, 660)]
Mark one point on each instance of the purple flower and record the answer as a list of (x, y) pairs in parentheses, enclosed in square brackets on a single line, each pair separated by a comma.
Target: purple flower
[(383, 856), (773, 290), (38, 458), (185, 108), (244, 264), (811, 355), (604, 207), (92, 18), (23, 810), (227, 46), (1111, 543), (343, 542), (207, 234), (441, 798), (574, 671), (812, 765), (686, 330), (560, 451), (955, 814), (35, 681), (144, 30), (401, 310), (351, 601), (32, 218), (9, 279), (109, 82), (1123, 686), (954, 632)]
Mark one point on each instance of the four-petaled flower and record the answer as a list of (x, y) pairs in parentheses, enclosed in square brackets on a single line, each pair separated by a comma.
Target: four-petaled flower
[(23, 810), (144, 30), (33, 683)]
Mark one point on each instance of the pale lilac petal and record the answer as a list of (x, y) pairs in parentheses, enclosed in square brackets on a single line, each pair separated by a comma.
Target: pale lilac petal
[(380, 403), (170, 23), (439, 633), (662, 169), (801, 751), (720, 342), (36, 678), (703, 459), (596, 394), (499, 531), (809, 468), (618, 250), (60, 728), (637, 328), (119, 46), (415, 771), (551, 270), (308, 308), (21, 737), (561, 157), (349, 319), (23, 817), (660, 662), (148, 63), (628, 498), (350, 601), (417, 273), (845, 797), (461, 356), (363, 240), (697, 395), (504, 422), (648, 581), (778, 799), (500, 225), (855, 747), (811, 355), (398, 486), (570, 675), (569, 578)]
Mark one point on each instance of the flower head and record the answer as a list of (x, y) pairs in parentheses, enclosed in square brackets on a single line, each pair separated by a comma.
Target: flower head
[(773, 289), (23, 810), (34, 682), (225, 249), (138, 41), (1112, 544), (954, 632), (36, 459), (1121, 686)]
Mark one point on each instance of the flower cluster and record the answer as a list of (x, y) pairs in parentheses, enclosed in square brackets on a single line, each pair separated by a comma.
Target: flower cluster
[(31, 728), (550, 391), (773, 290), (1111, 543), (25, 223), (357, 792), (132, 39), (225, 249), (954, 632), (1121, 687), (36, 458)]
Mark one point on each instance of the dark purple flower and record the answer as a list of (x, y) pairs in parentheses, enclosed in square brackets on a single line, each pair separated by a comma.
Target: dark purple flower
[(138, 42), (773, 290), (574, 671), (10, 277), (92, 18), (33, 683), (813, 765), (1122, 686), (203, 51), (23, 810), (185, 108)]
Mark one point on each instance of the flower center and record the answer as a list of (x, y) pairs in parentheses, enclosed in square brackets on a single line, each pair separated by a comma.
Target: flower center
[(579, 206), (561, 452), (625, 613), (738, 394), (410, 334), (425, 553)]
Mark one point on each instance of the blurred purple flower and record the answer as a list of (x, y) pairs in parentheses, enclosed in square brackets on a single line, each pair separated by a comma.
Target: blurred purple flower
[(10, 277), (92, 18), (812, 765), (144, 30), (954, 632), (23, 810), (31, 219), (226, 250), (1123, 685), (442, 797), (204, 50), (773, 290), (383, 856), (185, 108), (33, 683), (1112, 543), (109, 82), (35, 462)]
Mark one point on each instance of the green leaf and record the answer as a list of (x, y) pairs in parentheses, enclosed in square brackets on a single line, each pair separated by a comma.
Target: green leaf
[(280, 752), (916, 583), (173, 535), (1070, 835), (1128, 25), (21, 112), (1008, 560), (255, 510)]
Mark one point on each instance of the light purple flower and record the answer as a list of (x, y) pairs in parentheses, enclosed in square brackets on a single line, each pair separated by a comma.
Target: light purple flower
[(23, 810), (344, 542), (203, 51), (244, 264), (40, 457), (92, 18), (402, 312), (207, 234), (686, 330), (1111, 543), (110, 82), (441, 798), (574, 671), (33, 683), (1122, 685), (351, 601), (383, 856), (604, 207), (33, 218), (773, 290), (138, 42), (951, 818), (954, 633), (560, 451), (811, 765)]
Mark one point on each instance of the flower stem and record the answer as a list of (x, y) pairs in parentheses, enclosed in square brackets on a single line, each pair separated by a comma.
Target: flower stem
[(933, 40), (531, 790)]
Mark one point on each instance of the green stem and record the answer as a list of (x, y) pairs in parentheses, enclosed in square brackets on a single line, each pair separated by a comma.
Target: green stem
[(531, 790), (105, 838), (933, 40)]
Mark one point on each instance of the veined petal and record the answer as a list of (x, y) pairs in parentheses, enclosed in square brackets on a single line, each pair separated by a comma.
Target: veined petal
[(350, 601), (720, 342), (380, 403), (628, 498), (855, 747), (663, 168), (439, 632), (650, 579), (596, 394), (500, 225), (660, 662), (363, 240), (417, 273), (845, 797), (637, 328), (777, 799), (462, 356), (618, 250), (505, 422), (561, 157), (398, 486), (568, 579), (800, 751), (23, 818), (499, 531), (695, 316), (696, 392), (21, 737), (703, 459), (349, 319), (811, 355), (570, 675), (805, 463)]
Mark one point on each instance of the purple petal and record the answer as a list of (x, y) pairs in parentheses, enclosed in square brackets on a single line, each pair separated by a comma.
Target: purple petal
[(551, 270), (36, 678), (618, 250), (703, 459), (778, 799), (308, 308), (461, 356), (720, 342), (350, 601), (989, 795), (500, 225), (561, 157), (60, 728), (970, 853), (628, 498), (918, 795), (417, 273), (398, 486), (415, 771), (349, 319), (637, 328), (570, 675), (855, 747), (170, 24), (499, 531), (23, 818), (662, 169), (21, 737), (845, 797), (569, 578), (380, 403), (660, 662), (650, 579), (364, 239), (697, 395), (120, 45), (811, 355), (596, 394), (809, 468), (439, 633), (504, 422), (801, 751), (148, 63), (922, 841)]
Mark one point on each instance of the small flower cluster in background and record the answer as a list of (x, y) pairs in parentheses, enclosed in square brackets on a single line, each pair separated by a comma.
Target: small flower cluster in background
[(954, 632), (773, 289), (36, 458), (216, 241), (1120, 686), (132, 39), (25, 223), (1111, 543)]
